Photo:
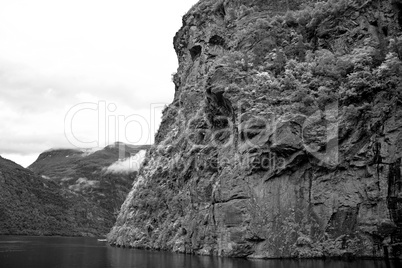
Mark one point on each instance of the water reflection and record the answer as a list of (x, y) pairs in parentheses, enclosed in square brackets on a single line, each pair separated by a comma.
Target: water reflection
[(144, 259), (49, 252)]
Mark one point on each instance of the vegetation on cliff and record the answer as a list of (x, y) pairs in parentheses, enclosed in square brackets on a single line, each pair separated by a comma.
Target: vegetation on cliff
[(284, 136)]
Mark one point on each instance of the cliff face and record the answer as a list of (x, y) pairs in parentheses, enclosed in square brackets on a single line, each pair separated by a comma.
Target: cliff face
[(284, 138), (88, 176)]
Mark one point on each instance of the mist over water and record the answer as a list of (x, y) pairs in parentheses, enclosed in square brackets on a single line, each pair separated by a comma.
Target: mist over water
[(64, 252)]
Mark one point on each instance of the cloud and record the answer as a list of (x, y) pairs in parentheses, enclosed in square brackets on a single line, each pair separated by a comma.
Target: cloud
[(31, 90), (127, 165), (57, 54), (82, 184)]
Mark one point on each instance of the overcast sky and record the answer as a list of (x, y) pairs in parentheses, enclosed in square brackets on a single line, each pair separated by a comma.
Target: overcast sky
[(87, 69)]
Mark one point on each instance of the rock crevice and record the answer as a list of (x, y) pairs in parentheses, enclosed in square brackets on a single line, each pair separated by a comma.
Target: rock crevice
[(284, 137)]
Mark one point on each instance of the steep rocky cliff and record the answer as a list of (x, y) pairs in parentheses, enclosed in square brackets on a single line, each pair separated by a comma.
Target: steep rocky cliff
[(284, 138)]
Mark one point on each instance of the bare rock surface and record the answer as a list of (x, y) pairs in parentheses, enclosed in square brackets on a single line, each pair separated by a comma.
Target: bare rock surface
[(284, 138)]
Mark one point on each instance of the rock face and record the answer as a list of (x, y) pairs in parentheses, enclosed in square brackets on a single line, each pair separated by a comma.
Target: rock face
[(96, 176), (284, 138), (31, 205)]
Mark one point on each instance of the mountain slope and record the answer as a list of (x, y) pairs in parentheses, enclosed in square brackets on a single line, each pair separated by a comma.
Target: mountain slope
[(284, 136), (31, 205), (88, 174)]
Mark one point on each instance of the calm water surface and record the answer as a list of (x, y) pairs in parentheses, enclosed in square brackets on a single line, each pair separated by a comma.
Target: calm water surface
[(61, 252)]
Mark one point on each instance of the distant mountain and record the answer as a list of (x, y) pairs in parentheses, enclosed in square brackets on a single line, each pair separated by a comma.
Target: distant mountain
[(101, 177), (31, 205)]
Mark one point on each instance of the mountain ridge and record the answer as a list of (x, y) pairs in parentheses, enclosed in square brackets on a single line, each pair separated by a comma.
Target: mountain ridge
[(86, 173), (31, 205)]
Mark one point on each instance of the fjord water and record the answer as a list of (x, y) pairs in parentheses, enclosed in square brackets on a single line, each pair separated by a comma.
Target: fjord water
[(62, 252)]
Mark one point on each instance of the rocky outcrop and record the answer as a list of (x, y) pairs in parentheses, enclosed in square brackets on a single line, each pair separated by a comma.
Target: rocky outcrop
[(102, 177), (284, 138)]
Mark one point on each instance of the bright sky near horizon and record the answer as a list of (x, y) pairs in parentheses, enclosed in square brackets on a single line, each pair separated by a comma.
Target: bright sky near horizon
[(84, 73)]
